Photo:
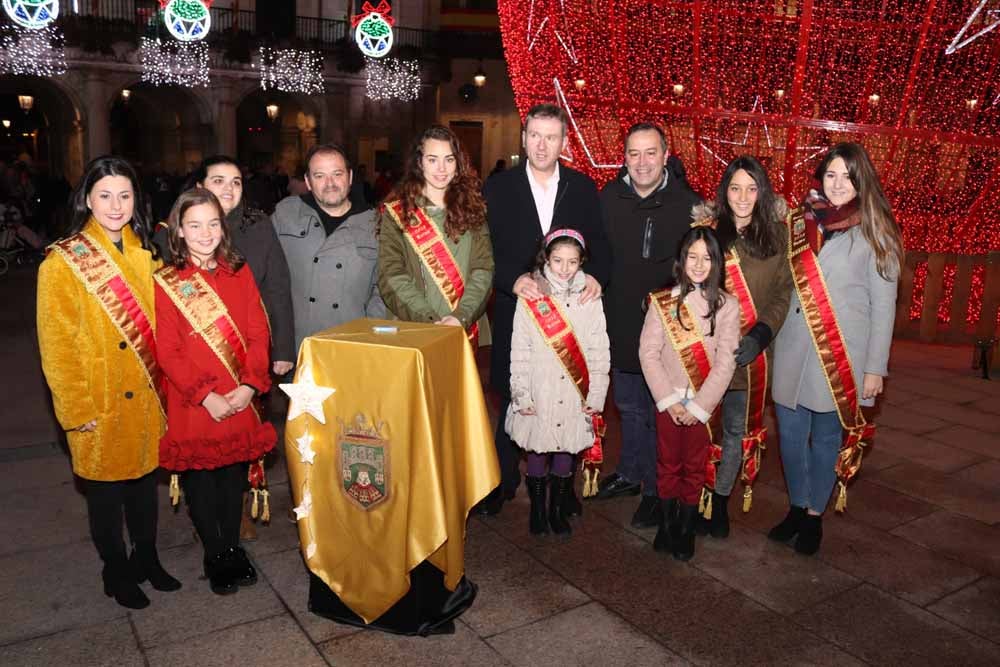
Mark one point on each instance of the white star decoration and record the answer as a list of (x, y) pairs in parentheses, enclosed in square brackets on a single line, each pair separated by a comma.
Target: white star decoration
[(758, 107), (536, 24), (304, 445), (991, 22), (302, 511), (306, 396)]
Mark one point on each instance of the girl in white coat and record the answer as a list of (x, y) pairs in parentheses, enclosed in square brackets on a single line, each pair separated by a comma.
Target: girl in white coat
[(555, 395)]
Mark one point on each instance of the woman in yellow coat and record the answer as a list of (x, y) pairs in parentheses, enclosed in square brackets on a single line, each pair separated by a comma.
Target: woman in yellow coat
[(96, 339)]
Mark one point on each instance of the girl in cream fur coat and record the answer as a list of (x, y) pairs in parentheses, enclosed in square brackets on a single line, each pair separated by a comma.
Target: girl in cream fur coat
[(550, 417)]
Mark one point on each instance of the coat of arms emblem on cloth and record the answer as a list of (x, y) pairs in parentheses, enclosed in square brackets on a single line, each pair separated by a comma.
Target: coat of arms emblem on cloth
[(364, 466)]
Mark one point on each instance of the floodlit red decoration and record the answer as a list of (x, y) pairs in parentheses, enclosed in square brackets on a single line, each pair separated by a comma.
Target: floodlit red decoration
[(782, 80)]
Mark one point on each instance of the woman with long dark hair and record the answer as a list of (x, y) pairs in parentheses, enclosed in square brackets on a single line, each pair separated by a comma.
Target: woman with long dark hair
[(95, 333), (213, 347), (749, 219), (438, 198), (687, 350), (832, 353)]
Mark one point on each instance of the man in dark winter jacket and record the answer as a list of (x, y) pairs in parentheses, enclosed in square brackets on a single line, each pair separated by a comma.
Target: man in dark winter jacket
[(523, 204), (646, 212)]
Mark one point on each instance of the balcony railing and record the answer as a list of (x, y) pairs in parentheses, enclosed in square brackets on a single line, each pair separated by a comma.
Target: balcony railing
[(98, 23)]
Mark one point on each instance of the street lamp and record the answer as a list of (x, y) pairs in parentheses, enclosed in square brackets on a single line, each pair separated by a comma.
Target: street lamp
[(126, 94), (272, 112), (6, 124), (27, 102), (479, 78)]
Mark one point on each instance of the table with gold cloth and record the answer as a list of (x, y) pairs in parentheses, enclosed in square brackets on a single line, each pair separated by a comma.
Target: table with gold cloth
[(405, 452)]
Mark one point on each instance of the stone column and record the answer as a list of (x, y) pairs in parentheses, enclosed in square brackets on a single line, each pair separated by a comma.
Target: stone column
[(98, 115), (225, 121)]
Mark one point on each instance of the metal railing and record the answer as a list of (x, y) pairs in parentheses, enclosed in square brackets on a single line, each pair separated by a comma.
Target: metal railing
[(98, 23)]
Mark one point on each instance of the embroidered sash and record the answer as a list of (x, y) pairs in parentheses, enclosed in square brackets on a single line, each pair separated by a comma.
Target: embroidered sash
[(208, 316), (558, 334), (690, 348), (104, 280), (831, 349), (430, 246), (755, 433)]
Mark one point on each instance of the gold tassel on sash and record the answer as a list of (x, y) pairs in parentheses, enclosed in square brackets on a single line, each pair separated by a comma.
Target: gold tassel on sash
[(747, 497), (254, 507), (265, 514), (705, 503), (175, 490), (841, 497)]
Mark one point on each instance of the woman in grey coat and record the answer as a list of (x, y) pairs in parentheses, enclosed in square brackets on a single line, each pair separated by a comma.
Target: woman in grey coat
[(858, 249)]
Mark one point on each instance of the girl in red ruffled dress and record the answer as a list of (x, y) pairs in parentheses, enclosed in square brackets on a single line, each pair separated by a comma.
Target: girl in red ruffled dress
[(212, 344)]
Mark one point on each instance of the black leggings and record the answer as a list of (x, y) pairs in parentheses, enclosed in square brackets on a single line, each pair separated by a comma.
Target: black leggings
[(105, 504), (215, 498)]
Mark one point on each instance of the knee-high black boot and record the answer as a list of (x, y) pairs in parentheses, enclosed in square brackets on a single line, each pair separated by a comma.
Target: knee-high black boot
[(559, 490), (538, 524), (663, 542), (684, 544)]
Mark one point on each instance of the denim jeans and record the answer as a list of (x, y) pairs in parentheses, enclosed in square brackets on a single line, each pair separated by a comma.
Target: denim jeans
[(809, 462), (734, 425), (638, 414)]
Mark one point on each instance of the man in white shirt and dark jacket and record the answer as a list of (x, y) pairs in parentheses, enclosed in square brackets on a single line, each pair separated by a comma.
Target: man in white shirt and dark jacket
[(523, 204), (647, 210)]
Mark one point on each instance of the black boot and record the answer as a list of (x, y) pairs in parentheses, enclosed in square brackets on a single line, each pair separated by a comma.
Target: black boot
[(663, 542), (789, 527), (574, 507), (810, 535), (719, 523), (647, 515), (538, 524), (240, 568), (119, 583), (146, 565), (684, 541), (559, 489), (220, 580)]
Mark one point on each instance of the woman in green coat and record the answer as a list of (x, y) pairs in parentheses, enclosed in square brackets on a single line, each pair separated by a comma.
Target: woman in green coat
[(435, 256)]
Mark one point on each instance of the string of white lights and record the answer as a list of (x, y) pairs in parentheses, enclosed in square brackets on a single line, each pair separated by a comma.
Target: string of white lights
[(35, 52), (174, 62), (291, 70), (392, 79)]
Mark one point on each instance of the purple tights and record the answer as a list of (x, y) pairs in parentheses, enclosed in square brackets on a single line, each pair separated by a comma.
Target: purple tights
[(560, 466)]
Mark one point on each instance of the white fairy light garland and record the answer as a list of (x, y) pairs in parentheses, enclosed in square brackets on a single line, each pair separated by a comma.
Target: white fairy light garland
[(291, 70)]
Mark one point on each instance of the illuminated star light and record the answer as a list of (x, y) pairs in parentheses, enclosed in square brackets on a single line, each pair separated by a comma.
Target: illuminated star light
[(31, 52), (392, 79), (303, 509), (291, 70), (174, 62), (992, 21), (758, 107), (565, 40), (306, 451), (306, 396), (562, 102)]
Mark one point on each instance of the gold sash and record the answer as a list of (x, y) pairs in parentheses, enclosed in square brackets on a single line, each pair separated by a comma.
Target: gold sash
[(831, 349)]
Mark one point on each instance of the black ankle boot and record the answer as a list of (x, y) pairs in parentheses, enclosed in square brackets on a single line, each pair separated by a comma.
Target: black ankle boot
[(119, 583), (559, 489), (574, 507), (220, 579), (789, 527), (146, 565), (538, 524), (684, 541), (719, 523), (240, 568), (647, 515), (810, 535), (663, 542)]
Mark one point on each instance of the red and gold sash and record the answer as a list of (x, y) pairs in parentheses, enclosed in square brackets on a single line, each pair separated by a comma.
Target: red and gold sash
[(754, 433), (558, 334), (689, 344), (433, 251), (208, 316), (831, 349), (103, 278)]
